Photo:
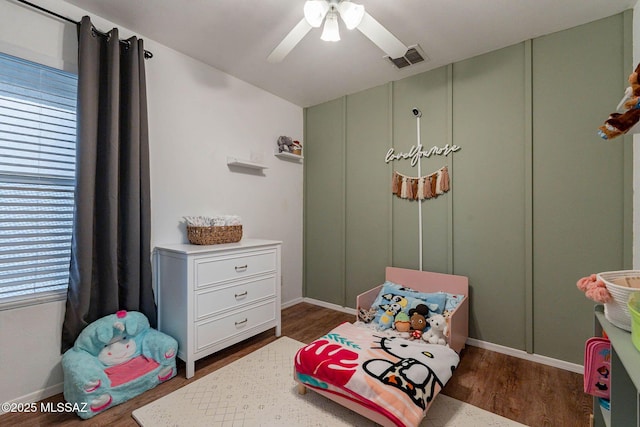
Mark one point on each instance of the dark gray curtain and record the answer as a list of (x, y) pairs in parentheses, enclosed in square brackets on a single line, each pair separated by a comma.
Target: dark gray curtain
[(110, 252)]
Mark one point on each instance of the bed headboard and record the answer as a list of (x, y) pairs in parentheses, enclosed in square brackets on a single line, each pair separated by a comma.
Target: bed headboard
[(427, 281)]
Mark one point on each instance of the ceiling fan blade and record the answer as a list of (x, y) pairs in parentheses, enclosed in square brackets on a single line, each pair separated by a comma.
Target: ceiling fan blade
[(381, 37), (290, 41)]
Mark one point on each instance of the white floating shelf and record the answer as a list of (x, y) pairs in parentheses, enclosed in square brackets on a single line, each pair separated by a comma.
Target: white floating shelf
[(234, 161), (291, 156)]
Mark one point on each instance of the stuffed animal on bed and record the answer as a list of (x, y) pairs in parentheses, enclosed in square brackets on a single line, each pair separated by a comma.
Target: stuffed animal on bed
[(389, 315), (402, 322), (367, 316), (419, 317), (438, 330)]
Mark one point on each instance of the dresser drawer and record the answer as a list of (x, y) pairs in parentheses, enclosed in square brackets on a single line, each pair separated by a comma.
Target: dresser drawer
[(209, 332), (214, 300), (209, 271)]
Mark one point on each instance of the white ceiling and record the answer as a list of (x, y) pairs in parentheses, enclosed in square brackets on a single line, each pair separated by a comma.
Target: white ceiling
[(236, 36)]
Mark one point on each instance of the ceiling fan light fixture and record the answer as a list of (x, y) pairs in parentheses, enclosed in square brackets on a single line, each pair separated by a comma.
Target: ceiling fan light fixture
[(351, 13), (331, 32), (315, 11)]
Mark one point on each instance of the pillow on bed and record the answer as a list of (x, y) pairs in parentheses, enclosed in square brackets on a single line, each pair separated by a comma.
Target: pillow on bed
[(394, 298), (452, 301)]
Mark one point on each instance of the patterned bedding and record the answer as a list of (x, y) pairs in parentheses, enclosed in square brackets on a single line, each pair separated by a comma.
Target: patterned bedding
[(388, 374)]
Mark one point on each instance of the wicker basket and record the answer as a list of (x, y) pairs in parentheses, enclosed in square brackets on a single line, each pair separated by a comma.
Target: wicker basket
[(620, 286), (214, 235)]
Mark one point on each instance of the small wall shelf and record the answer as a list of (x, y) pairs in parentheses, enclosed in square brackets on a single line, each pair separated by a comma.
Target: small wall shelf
[(234, 161), (288, 156)]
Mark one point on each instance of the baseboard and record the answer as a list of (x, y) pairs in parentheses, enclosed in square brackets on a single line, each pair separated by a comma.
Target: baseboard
[(291, 303), (556, 363), (38, 395), (330, 305)]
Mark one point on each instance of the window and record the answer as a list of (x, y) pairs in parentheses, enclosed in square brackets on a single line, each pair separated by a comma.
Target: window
[(37, 175)]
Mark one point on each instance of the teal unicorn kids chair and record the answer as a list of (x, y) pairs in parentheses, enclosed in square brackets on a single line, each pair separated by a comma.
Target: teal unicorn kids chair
[(114, 359)]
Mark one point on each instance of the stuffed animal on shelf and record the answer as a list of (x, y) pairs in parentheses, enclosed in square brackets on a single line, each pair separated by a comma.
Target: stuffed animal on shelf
[(436, 334), (296, 148), (620, 123), (594, 289), (285, 144), (632, 94)]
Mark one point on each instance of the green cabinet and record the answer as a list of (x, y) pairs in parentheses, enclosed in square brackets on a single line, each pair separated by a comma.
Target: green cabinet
[(625, 377)]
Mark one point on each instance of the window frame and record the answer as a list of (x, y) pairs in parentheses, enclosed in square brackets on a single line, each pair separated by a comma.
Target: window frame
[(34, 180)]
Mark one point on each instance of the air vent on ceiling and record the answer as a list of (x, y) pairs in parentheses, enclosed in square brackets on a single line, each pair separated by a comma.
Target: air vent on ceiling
[(413, 56)]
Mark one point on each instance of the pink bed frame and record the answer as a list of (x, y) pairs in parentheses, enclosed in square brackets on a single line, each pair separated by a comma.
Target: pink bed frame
[(423, 281)]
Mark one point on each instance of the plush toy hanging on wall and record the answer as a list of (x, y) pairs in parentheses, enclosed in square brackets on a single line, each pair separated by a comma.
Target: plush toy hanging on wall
[(620, 123), (421, 187)]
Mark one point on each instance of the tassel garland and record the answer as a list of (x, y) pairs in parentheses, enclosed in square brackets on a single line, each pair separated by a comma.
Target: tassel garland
[(434, 186), (395, 187), (445, 179), (427, 187), (421, 188)]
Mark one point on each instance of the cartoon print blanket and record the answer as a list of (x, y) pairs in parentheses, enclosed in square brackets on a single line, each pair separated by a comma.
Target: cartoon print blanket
[(394, 376)]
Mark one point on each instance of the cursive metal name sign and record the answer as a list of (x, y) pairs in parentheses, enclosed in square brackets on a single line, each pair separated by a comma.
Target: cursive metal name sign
[(417, 151)]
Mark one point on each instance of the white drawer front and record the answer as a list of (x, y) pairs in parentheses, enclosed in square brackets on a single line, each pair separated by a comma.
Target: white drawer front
[(214, 270), (212, 331), (214, 300)]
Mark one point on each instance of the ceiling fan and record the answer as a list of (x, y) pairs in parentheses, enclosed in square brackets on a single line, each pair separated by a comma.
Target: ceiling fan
[(353, 15)]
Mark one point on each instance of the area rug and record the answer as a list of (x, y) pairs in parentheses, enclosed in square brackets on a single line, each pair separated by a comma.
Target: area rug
[(259, 390)]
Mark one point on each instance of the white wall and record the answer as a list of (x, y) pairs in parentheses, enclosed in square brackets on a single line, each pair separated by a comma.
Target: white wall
[(197, 117)]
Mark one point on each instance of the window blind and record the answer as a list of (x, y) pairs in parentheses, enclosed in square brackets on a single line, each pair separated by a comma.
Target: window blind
[(37, 174)]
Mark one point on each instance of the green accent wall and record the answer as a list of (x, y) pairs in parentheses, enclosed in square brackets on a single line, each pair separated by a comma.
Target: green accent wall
[(367, 238), (324, 203), (537, 199), (489, 191), (578, 180), (427, 92)]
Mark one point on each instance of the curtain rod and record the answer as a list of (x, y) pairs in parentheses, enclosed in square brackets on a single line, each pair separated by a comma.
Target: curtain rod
[(147, 54)]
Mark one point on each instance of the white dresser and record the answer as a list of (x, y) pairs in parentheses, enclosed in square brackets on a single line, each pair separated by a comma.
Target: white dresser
[(210, 297)]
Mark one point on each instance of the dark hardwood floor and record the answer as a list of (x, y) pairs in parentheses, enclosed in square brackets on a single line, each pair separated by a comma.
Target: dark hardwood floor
[(527, 392)]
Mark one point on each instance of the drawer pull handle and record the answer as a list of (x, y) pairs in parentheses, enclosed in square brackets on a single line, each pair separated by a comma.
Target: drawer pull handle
[(242, 295), (241, 268), (242, 322)]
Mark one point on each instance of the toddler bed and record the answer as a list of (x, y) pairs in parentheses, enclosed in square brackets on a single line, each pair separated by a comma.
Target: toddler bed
[(388, 376)]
